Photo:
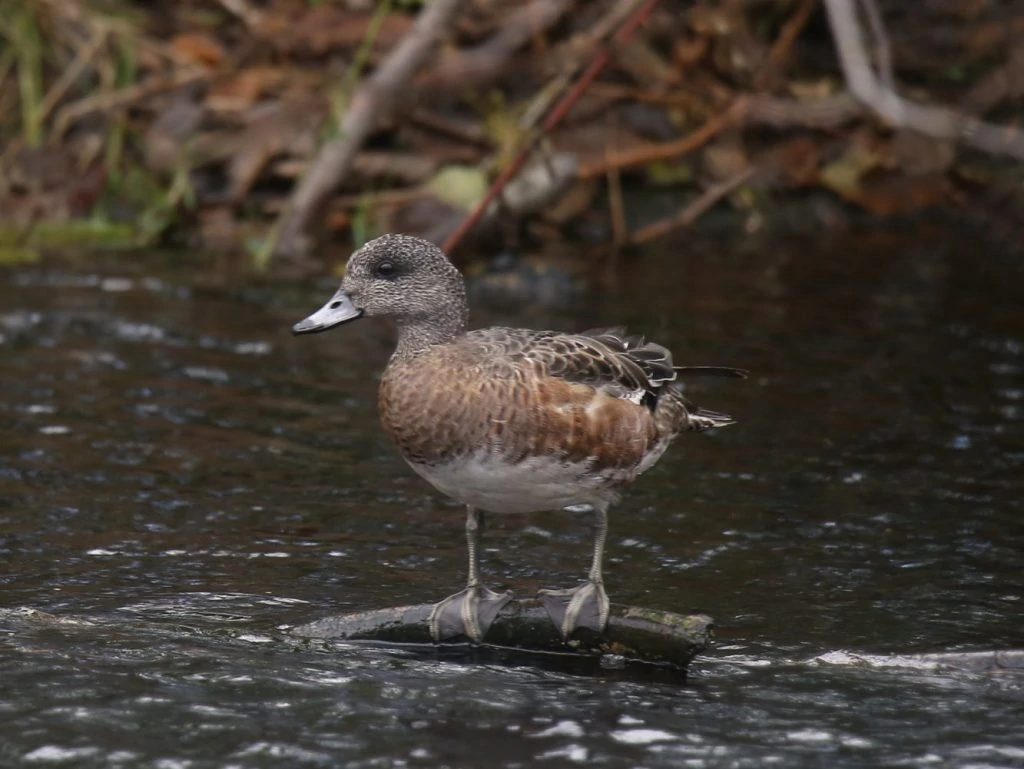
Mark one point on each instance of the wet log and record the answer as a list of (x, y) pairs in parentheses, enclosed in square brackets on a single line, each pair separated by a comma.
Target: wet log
[(632, 634)]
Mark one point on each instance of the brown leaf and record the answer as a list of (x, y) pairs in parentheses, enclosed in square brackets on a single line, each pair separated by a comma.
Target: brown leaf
[(796, 161), (288, 127), (50, 184), (687, 51), (920, 155), (572, 203), (404, 167), (845, 174), (220, 230), (239, 91), (197, 48), (167, 136), (725, 156), (899, 195), (644, 64), (324, 28)]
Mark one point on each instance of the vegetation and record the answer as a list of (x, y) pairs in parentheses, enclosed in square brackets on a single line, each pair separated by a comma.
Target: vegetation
[(138, 123)]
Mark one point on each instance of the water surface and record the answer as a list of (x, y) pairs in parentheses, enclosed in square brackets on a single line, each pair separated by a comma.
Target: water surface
[(180, 479)]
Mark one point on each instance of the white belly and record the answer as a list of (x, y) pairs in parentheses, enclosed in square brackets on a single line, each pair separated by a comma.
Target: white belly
[(488, 483)]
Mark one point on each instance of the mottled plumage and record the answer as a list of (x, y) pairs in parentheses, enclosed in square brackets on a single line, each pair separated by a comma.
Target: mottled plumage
[(512, 420), (602, 406)]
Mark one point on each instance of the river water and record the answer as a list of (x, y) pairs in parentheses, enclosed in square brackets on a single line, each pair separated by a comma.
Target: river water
[(180, 480)]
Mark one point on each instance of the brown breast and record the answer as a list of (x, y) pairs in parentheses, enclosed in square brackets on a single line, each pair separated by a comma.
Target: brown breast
[(444, 405)]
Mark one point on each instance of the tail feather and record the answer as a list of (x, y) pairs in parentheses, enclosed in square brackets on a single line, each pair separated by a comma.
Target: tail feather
[(663, 379), (705, 419), (722, 371), (700, 419)]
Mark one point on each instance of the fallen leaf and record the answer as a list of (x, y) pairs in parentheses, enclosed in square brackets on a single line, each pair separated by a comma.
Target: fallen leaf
[(843, 176), (459, 186), (325, 28), (197, 48), (287, 127), (239, 91)]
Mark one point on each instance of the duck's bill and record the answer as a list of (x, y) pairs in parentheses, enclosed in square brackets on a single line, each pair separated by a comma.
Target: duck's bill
[(337, 311)]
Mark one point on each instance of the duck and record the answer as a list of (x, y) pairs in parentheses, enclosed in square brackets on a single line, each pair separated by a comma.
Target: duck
[(512, 420)]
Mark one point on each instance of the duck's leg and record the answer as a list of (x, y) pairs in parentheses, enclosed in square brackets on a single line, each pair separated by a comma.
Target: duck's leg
[(586, 605), (469, 612)]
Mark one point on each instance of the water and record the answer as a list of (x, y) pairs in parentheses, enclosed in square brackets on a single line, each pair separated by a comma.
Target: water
[(180, 479)]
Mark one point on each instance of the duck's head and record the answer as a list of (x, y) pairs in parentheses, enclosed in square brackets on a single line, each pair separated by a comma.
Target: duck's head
[(397, 276)]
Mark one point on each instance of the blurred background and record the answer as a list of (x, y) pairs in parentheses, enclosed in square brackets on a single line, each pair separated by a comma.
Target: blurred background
[(182, 481), (191, 124)]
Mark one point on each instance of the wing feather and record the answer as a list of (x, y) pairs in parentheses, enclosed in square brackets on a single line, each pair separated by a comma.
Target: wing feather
[(621, 365)]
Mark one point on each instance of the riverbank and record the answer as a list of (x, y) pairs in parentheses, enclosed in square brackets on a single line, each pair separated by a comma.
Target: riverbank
[(202, 124)]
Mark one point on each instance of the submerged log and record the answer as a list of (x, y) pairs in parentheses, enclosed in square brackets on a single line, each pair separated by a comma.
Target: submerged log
[(633, 633)]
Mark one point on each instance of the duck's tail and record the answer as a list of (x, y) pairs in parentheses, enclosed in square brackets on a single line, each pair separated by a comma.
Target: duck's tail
[(722, 371), (704, 419), (700, 419)]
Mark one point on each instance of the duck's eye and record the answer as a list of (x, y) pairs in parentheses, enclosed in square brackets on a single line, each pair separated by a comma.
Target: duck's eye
[(385, 270)]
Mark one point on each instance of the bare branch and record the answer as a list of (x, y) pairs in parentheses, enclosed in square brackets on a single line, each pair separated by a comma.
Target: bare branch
[(649, 153), (827, 112), (373, 99), (880, 46), (693, 211), (936, 122), (555, 116)]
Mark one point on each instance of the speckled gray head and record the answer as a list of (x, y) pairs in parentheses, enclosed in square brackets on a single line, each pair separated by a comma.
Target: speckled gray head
[(398, 276)]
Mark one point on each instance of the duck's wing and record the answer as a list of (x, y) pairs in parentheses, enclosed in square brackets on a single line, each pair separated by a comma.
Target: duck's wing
[(634, 346), (607, 360)]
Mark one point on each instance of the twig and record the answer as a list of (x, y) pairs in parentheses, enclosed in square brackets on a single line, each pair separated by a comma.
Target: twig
[(557, 114), (622, 92), (663, 151), (251, 17), (616, 207), (618, 15), (378, 198), (392, 197), (936, 122), (1004, 82), (108, 100), (486, 61), (620, 230), (880, 45), (692, 212), (462, 131), (584, 42), (360, 58), (374, 98), (827, 112), (71, 74), (787, 36)]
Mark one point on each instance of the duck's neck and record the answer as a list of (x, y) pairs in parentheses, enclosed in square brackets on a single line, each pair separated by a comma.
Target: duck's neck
[(418, 334)]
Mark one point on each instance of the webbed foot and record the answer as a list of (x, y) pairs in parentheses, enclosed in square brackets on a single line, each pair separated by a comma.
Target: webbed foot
[(584, 606), (469, 612)]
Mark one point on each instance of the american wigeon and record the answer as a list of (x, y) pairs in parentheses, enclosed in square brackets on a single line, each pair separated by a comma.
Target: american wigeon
[(510, 420)]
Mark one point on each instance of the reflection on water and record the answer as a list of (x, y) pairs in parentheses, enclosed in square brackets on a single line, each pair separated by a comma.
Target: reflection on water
[(180, 479)]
